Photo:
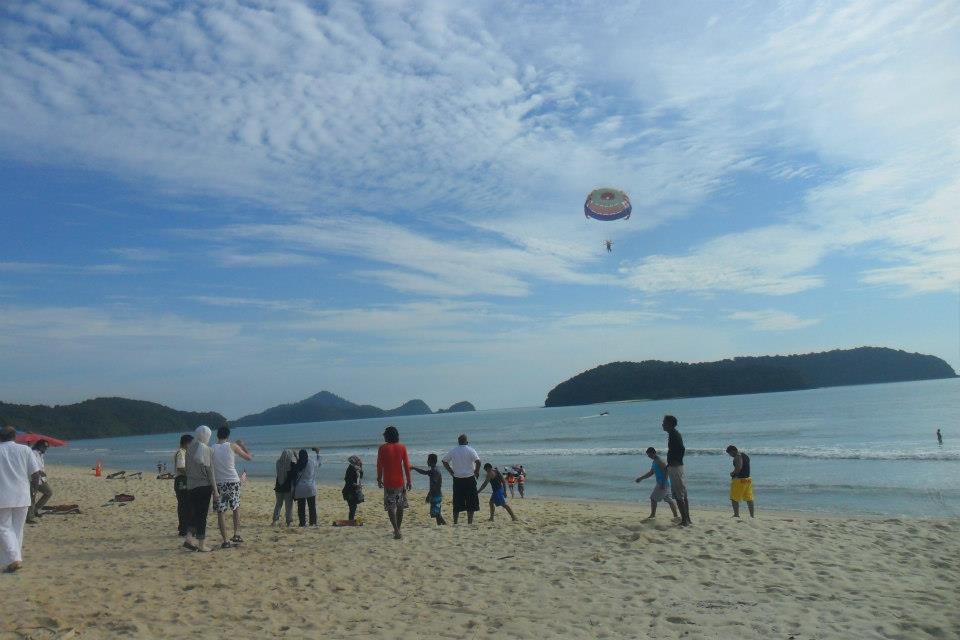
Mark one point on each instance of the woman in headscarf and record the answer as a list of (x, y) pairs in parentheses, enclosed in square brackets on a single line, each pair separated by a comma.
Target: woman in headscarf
[(201, 486), (305, 486), (353, 485), (284, 486)]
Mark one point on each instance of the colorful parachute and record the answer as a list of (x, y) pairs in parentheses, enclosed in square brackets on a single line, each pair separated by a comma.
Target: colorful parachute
[(607, 203)]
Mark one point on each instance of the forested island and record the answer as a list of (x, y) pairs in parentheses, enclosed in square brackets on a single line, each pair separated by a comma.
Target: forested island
[(105, 418), (658, 380), (326, 406)]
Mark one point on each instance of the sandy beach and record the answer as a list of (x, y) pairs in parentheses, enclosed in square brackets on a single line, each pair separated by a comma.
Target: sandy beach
[(568, 569)]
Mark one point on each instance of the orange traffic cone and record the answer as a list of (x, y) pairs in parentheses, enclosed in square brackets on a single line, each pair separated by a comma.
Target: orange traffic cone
[(98, 470)]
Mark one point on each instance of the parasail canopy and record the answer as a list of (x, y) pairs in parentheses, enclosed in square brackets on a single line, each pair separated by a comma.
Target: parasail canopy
[(607, 203)]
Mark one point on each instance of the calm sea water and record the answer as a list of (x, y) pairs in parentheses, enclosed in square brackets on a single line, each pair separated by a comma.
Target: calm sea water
[(866, 449)]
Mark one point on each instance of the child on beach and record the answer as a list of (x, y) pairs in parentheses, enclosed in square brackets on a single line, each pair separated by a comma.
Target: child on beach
[(353, 486), (511, 480), (435, 495), (521, 479), (662, 489), (498, 497)]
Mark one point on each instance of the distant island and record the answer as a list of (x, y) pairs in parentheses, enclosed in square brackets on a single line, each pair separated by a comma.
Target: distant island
[(326, 406), (658, 380), (105, 418)]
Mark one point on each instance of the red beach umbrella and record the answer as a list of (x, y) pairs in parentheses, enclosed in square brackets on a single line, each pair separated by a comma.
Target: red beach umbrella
[(30, 438)]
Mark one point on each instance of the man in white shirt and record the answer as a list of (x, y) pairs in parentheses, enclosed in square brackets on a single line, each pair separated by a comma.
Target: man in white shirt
[(228, 483), (463, 463), (18, 469)]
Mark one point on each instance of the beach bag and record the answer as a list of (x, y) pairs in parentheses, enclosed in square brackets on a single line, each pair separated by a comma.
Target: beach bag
[(353, 494)]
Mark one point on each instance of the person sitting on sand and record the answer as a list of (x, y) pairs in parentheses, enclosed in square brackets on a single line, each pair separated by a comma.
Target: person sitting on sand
[(283, 487), (180, 484), (741, 484), (393, 466), (228, 483), (201, 487), (305, 486), (498, 494), (41, 488), (463, 463), (353, 486), (435, 495), (18, 470), (662, 489)]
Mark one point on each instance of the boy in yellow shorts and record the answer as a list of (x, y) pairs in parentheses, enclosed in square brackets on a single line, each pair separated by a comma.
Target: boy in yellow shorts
[(741, 484)]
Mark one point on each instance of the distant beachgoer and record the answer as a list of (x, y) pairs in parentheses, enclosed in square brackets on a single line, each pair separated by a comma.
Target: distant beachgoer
[(435, 495), (201, 487), (393, 467), (305, 486), (678, 480), (180, 484), (662, 489), (41, 488), (939, 438), (741, 484), (228, 483), (498, 494), (283, 487), (19, 469), (463, 463), (521, 480), (511, 480), (353, 485)]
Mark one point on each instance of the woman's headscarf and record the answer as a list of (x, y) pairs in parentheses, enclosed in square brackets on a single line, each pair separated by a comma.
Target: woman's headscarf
[(201, 436), (301, 463), (357, 465)]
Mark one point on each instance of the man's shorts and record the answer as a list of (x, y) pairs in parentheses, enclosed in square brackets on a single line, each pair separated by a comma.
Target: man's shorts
[(741, 489), (465, 496), (499, 498), (678, 482), (661, 492), (394, 499), (229, 497)]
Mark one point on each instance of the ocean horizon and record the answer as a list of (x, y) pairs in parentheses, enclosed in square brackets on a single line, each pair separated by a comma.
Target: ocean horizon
[(867, 449)]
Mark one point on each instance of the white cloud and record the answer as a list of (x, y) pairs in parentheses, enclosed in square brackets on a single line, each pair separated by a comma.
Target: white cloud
[(772, 320)]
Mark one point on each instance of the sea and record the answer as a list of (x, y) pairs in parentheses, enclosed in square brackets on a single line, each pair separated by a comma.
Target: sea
[(862, 450)]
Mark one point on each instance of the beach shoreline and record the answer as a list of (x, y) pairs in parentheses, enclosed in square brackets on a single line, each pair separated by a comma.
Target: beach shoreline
[(587, 569)]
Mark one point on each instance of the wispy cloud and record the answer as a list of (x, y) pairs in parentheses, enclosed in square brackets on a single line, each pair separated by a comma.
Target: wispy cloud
[(773, 320)]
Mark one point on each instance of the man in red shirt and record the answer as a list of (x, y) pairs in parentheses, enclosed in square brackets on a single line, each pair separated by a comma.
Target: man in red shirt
[(393, 466)]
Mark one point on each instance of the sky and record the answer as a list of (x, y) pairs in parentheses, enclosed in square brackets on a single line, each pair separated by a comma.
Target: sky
[(231, 205)]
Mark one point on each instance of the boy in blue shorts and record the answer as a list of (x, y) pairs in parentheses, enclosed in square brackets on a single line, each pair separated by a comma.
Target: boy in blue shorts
[(498, 490), (435, 495), (662, 490)]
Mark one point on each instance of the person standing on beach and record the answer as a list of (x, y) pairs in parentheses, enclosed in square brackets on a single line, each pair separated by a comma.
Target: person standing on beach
[(521, 480), (201, 487), (498, 493), (741, 484), (180, 484), (678, 480), (939, 438), (463, 463), (662, 489), (435, 495), (228, 483), (305, 486), (40, 486), (353, 486), (283, 487), (393, 467), (18, 471)]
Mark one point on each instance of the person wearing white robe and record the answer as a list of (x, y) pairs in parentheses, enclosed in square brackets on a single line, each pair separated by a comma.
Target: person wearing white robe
[(18, 467)]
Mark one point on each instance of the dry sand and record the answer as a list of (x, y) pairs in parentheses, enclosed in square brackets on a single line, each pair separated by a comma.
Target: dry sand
[(570, 570)]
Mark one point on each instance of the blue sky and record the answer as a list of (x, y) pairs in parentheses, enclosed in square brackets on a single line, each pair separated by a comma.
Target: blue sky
[(226, 206)]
